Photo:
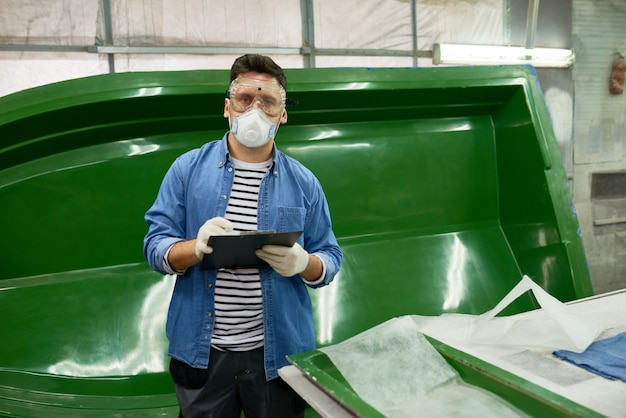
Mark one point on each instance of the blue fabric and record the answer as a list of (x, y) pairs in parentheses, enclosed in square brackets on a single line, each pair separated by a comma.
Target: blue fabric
[(196, 188), (606, 358)]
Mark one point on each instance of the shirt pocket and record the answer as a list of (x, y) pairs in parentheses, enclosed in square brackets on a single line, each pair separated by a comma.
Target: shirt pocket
[(291, 218)]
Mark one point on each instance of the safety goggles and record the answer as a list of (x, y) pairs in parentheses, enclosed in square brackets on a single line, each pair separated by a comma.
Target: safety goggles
[(245, 93)]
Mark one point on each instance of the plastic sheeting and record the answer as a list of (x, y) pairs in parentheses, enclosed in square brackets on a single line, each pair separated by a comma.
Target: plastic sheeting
[(391, 368), (372, 24), (55, 22), (461, 22), (394, 368), (205, 23), (555, 326), (350, 24), (354, 24)]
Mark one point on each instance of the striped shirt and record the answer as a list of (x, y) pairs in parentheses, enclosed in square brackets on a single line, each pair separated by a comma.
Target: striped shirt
[(238, 297)]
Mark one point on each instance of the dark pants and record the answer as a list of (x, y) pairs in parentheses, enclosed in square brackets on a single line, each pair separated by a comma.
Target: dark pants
[(234, 382)]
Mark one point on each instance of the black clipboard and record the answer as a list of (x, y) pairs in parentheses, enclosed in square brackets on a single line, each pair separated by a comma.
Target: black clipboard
[(235, 251)]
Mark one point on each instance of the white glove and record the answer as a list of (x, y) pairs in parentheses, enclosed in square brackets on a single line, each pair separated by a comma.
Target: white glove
[(214, 226), (286, 261)]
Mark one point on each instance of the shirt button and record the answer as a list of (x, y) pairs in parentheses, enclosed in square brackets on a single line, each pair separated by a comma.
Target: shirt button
[(210, 314), (210, 285), (230, 169), (224, 197)]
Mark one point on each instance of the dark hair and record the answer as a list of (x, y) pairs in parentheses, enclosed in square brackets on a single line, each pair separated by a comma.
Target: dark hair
[(258, 64)]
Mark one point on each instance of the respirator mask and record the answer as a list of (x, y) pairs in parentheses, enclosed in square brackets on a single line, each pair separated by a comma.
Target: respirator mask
[(253, 128)]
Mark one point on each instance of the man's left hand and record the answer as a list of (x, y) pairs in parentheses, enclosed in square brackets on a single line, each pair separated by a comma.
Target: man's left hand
[(286, 261)]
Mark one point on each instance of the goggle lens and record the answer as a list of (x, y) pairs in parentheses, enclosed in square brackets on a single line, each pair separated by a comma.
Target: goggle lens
[(244, 93)]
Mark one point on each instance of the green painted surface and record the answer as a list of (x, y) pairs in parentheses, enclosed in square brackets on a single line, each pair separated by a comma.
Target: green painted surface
[(445, 186)]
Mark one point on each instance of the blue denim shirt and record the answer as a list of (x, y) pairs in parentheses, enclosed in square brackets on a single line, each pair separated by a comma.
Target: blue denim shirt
[(197, 188)]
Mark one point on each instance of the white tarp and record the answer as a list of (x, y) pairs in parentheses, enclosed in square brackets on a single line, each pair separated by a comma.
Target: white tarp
[(275, 23), (346, 25), (55, 22)]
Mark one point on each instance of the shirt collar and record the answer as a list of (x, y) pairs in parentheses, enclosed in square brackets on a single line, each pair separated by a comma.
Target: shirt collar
[(226, 155)]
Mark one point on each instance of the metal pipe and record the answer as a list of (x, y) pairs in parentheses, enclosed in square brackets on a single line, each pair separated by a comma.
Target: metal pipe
[(308, 33), (108, 30), (531, 23), (414, 31)]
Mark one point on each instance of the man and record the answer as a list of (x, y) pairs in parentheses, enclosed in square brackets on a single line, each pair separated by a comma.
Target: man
[(230, 329)]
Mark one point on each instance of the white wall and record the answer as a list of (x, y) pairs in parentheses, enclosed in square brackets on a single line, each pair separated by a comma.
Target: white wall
[(600, 137)]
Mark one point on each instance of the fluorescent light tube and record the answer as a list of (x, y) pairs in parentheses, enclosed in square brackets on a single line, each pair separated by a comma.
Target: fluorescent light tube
[(455, 54)]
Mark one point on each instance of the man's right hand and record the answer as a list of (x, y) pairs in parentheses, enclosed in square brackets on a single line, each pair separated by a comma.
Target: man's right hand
[(214, 226)]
